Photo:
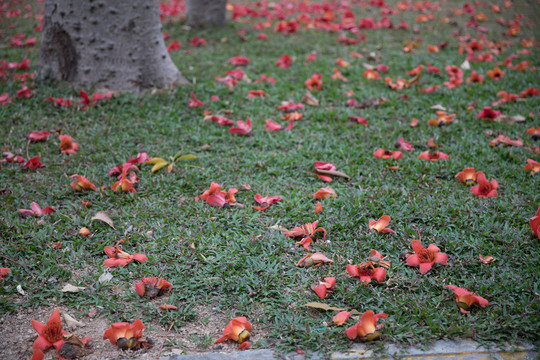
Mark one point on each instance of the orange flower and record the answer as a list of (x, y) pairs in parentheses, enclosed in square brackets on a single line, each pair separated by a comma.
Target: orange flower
[(433, 155), (50, 335), (341, 318), (532, 166), (367, 271), (67, 146), (529, 92), (475, 77), (292, 116), (465, 299), (381, 225), (215, 197), (306, 230), (4, 272), (315, 81), (496, 73), (467, 176), (313, 260), (152, 286), (535, 223), (237, 330), (81, 183), (117, 257), (425, 258), (433, 48), (337, 75), (371, 74), (442, 119), (324, 287), (387, 154), (124, 335), (485, 188), (366, 328), (124, 184), (325, 193)]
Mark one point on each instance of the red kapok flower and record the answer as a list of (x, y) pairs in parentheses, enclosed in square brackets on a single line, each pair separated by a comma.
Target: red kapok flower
[(381, 225), (496, 73), (341, 318), (265, 201), (284, 61), (36, 210), (4, 272), (315, 81), (306, 230), (239, 61), (117, 257), (367, 271), (324, 287), (243, 128), (425, 258), (256, 93), (442, 119), (125, 184), (366, 328), (81, 183), (67, 145), (433, 155), (359, 120), (34, 163), (532, 166), (50, 334), (152, 286), (271, 125), (386, 154), (194, 102), (467, 176), (313, 260), (124, 330), (325, 193), (535, 223), (465, 299), (485, 188), (237, 330), (404, 145), (215, 197), (38, 135), (488, 114)]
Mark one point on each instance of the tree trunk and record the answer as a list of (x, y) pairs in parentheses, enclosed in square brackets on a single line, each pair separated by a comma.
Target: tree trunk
[(116, 45), (202, 13)]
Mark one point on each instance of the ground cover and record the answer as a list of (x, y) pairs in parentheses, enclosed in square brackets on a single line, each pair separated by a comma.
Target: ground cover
[(233, 261)]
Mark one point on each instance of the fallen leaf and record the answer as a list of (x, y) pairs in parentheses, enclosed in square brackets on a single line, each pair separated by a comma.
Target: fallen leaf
[(20, 290), (321, 306), (466, 65), (72, 289), (371, 102), (278, 228), (332, 173), (438, 107), (508, 119), (103, 217), (309, 99), (72, 322), (105, 277), (368, 66)]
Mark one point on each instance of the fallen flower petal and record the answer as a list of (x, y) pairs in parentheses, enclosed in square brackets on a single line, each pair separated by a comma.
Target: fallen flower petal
[(243, 128), (366, 328), (4, 272), (313, 260), (341, 318), (466, 299), (532, 166), (325, 193), (39, 135), (82, 183), (381, 225), (67, 145), (534, 222), (318, 208), (36, 210), (34, 163), (117, 257), (124, 330), (487, 260)]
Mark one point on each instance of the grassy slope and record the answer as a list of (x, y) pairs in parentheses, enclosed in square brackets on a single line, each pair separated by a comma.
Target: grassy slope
[(230, 270)]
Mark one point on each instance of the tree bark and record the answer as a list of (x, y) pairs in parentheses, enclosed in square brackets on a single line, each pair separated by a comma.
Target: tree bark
[(116, 45), (201, 13)]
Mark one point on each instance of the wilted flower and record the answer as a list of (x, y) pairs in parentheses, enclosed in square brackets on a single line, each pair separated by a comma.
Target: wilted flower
[(237, 330), (152, 286), (465, 299), (366, 329)]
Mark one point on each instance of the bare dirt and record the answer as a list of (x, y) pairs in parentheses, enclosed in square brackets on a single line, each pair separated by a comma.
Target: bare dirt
[(18, 335)]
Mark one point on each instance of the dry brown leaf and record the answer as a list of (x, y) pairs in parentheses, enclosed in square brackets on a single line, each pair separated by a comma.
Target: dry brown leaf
[(332, 173), (72, 288), (70, 321), (368, 66), (278, 228), (438, 107), (103, 217), (375, 102), (509, 119), (309, 99), (321, 306)]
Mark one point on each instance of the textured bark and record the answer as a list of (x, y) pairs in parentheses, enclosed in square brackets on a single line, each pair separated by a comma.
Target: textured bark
[(116, 45), (202, 13)]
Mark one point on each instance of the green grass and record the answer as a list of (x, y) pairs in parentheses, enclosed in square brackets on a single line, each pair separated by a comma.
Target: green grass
[(214, 258)]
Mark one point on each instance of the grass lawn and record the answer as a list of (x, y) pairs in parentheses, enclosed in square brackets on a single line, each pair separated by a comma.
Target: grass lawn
[(233, 261)]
